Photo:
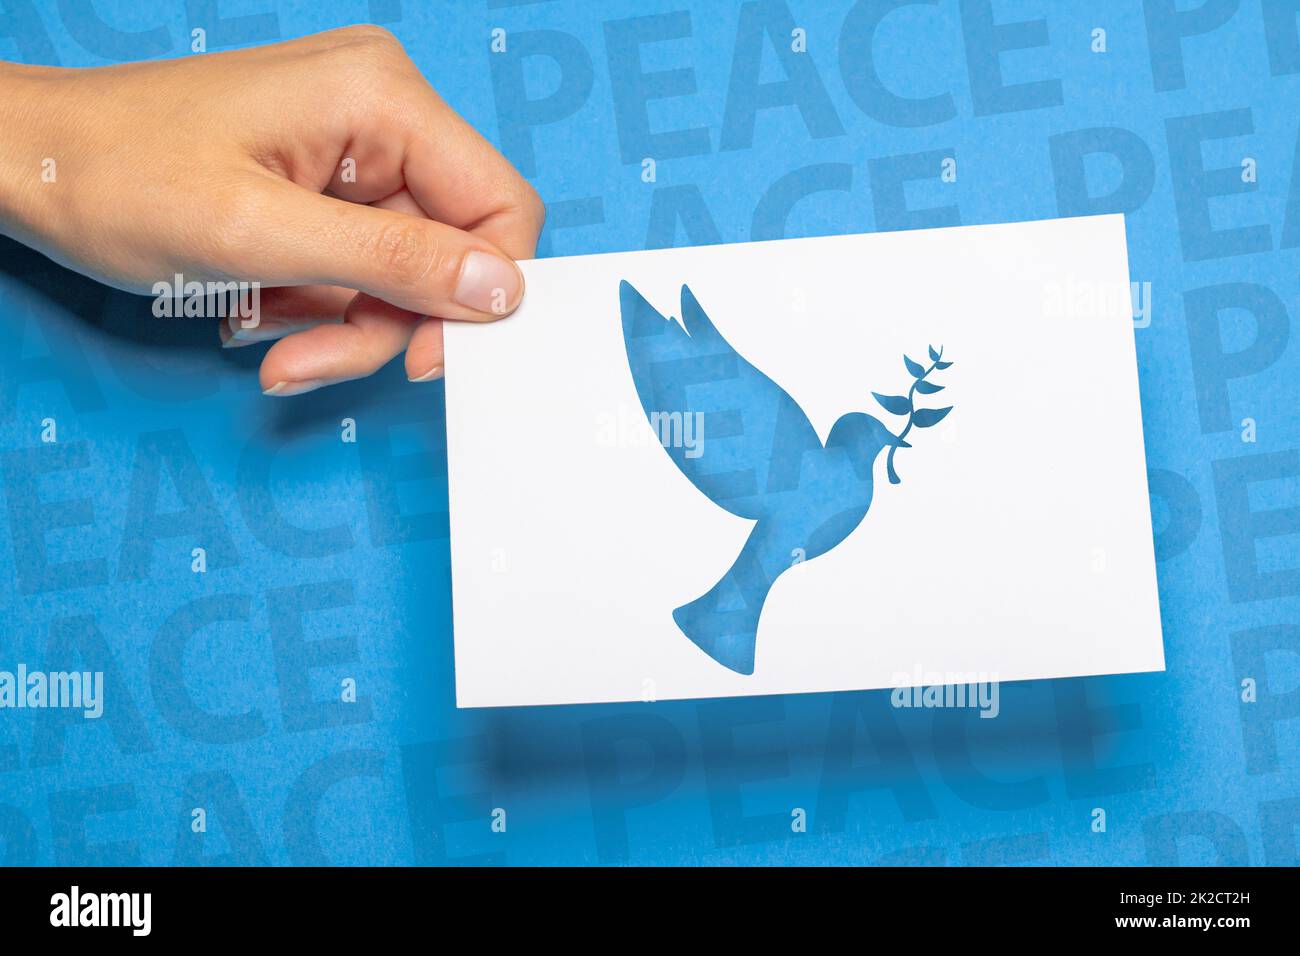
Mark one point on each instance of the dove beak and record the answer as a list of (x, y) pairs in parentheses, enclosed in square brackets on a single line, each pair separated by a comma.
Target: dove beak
[(899, 443)]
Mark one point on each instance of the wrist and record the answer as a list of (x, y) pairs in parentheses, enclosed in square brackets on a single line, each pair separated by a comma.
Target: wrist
[(29, 162)]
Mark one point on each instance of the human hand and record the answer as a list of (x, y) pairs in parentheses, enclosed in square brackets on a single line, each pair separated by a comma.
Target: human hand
[(235, 167)]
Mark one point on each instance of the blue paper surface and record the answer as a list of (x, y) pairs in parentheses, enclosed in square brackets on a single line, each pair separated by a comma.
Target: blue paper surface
[(328, 560)]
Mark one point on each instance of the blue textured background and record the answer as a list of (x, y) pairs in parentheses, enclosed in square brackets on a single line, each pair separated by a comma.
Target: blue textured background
[(329, 560)]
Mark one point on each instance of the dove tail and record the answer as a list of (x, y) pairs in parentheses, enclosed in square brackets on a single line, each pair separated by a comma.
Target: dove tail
[(723, 623)]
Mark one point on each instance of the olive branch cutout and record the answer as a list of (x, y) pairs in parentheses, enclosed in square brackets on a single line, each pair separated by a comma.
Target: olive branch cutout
[(900, 405)]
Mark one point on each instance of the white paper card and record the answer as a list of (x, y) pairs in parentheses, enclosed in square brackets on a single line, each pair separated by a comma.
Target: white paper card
[(1016, 545)]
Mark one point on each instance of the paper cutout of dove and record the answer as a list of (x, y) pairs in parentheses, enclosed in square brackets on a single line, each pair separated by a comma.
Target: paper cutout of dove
[(754, 453)]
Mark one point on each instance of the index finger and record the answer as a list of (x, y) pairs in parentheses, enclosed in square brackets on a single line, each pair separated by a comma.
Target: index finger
[(459, 178)]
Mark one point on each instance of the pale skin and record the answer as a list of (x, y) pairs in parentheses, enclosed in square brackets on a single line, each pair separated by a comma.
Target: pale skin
[(231, 167)]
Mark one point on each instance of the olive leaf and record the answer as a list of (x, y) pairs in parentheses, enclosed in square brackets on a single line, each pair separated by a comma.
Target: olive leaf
[(894, 404), (926, 417), (915, 370)]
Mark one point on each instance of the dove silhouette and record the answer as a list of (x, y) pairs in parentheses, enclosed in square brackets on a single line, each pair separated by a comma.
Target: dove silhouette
[(756, 455)]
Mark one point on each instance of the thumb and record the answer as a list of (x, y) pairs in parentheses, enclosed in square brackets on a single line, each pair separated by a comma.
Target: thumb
[(417, 264)]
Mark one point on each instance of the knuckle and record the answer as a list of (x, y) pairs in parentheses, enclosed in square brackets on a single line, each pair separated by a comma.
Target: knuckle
[(406, 251), (369, 60), (372, 34)]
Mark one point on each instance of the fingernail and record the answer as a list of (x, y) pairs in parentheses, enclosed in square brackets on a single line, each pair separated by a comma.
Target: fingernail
[(488, 283), (238, 336), (285, 389), (429, 376), (259, 334)]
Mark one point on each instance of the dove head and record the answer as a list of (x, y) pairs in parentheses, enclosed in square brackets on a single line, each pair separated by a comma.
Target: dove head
[(863, 437)]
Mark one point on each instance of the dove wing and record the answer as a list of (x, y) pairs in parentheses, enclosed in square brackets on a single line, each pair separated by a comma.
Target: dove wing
[(735, 433)]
